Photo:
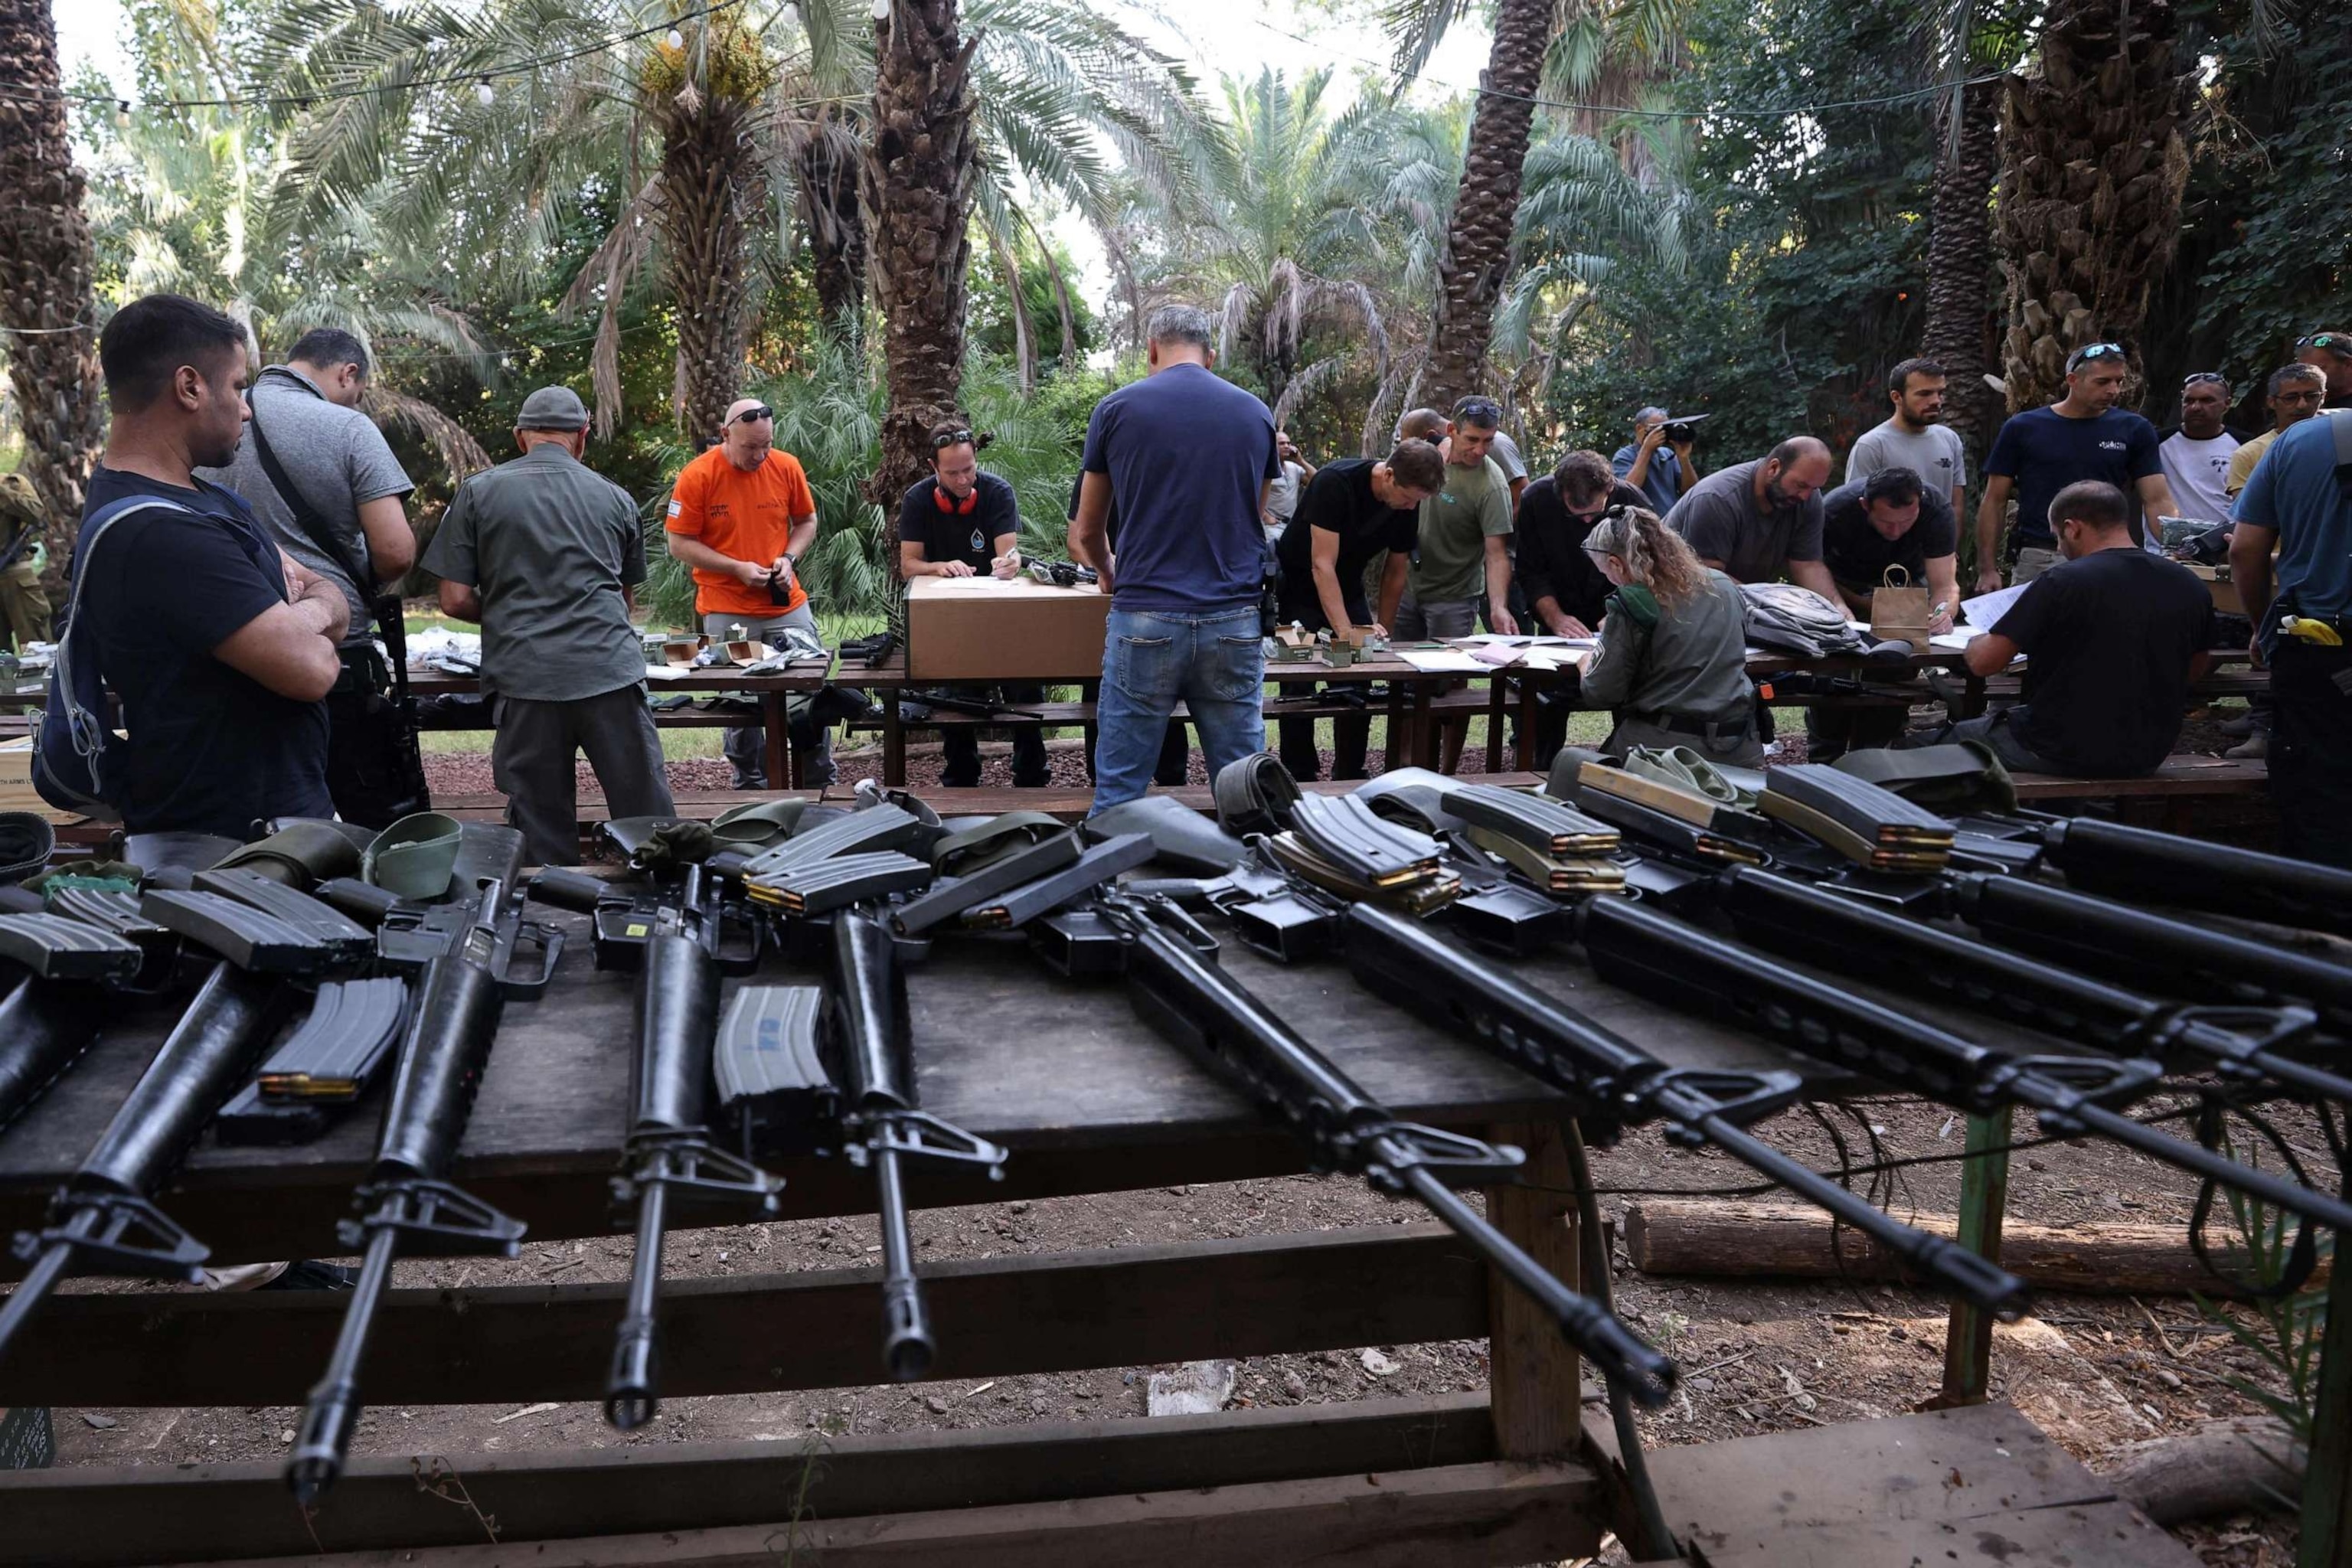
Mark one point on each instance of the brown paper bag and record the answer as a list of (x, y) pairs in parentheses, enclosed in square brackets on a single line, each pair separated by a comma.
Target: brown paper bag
[(1900, 610)]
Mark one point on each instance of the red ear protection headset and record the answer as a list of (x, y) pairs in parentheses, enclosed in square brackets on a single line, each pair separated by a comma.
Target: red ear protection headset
[(950, 505)]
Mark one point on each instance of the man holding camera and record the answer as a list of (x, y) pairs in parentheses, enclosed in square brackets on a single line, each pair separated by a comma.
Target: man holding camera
[(743, 515), (1659, 461)]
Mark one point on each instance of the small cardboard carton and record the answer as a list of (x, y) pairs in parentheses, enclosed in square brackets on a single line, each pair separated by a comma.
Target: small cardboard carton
[(991, 629)]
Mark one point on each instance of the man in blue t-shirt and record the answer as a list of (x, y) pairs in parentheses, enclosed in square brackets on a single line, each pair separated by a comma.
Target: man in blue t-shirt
[(2083, 435), (1186, 458), (2299, 498), (221, 648)]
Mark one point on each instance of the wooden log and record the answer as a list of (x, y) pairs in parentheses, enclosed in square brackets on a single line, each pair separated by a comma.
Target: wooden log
[(2242, 1464), (1667, 1236)]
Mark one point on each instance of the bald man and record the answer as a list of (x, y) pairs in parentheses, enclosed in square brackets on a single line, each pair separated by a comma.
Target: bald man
[(742, 516), (1758, 522)]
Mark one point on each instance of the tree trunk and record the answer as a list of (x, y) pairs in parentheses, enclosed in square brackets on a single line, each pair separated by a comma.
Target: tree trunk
[(835, 223), (1477, 255), (2093, 166), (46, 301), (1959, 261), (920, 169), (710, 180)]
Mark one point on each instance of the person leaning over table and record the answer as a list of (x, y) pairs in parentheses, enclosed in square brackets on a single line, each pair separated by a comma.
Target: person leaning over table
[(962, 522), (1756, 521), (2113, 636), (1673, 660), (1869, 528), (742, 516), (1187, 456), (545, 554), (1565, 590), (1353, 509)]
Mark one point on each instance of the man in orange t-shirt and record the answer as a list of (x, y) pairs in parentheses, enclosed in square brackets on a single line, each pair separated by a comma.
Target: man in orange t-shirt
[(742, 516)]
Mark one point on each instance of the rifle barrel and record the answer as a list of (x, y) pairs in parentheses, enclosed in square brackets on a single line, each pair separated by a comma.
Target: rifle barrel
[(629, 1398), (332, 1410), (1612, 1348), (906, 1347), (42, 1278), (2215, 1167)]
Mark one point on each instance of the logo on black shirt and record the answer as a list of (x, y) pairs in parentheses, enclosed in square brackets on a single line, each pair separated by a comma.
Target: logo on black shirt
[(979, 541)]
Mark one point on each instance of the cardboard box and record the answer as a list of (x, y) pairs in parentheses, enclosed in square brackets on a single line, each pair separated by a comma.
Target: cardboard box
[(2224, 592), (16, 792), (985, 628)]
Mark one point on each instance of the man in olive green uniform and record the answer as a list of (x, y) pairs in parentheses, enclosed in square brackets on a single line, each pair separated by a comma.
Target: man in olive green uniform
[(544, 554), (24, 602)]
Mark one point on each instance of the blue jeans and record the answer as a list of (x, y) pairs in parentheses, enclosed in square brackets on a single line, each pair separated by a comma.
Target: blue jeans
[(1213, 662)]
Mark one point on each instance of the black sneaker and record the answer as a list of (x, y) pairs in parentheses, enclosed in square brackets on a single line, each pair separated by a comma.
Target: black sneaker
[(310, 1274)]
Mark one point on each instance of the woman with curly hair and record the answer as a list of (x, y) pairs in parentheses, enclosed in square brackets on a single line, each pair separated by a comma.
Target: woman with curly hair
[(1672, 662)]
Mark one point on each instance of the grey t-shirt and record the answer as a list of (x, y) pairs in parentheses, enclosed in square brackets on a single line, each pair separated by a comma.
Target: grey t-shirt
[(1933, 454), (1717, 516), (334, 455), (1505, 453), (549, 545)]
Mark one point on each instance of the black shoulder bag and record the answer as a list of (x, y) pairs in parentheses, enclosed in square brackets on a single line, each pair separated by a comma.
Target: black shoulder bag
[(375, 770)]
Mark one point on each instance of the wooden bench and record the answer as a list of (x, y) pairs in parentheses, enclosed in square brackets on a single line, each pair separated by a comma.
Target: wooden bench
[(2177, 786)]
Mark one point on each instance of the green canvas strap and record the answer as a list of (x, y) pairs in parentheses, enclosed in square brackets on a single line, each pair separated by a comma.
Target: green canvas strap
[(414, 856), (1962, 775), (757, 824), (1685, 769), (962, 853), (301, 853)]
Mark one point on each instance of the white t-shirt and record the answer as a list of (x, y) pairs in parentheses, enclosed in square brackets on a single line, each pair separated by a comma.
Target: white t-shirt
[(1281, 493), (2197, 471), (1933, 454)]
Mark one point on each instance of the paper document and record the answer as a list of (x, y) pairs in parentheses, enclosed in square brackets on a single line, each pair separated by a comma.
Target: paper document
[(1956, 640), (1445, 662), (1987, 611)]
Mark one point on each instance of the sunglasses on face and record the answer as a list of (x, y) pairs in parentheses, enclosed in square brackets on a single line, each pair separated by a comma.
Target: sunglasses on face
[(753, 416), (946, 438)]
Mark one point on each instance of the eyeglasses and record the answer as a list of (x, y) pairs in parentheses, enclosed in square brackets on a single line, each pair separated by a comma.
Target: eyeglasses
[(2334, 343), (946, 438), (2084, 355), (753, 416)]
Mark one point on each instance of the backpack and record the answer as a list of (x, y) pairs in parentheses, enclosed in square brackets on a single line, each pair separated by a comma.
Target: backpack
[(69, 765)]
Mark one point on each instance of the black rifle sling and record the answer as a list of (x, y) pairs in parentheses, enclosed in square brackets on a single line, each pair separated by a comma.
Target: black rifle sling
[(385, 608)]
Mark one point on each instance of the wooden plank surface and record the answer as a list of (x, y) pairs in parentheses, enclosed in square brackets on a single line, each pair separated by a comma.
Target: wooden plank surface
[(2087, 1535), (1461, 1516), (816, 1329), (2186, 775), (1537, 1378), (161, 1513)]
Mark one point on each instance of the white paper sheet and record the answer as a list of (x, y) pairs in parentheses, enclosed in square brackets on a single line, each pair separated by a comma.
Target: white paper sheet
[(1987, 611), (1956, 640), (1445, 662)]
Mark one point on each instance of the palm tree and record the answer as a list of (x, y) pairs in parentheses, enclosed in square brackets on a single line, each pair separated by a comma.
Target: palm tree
[(1959, 253), (2093, 167), (1477, 253), (48, 313)]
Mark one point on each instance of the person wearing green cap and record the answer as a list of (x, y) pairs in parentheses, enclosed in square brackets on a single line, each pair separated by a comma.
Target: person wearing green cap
[(544, 554)]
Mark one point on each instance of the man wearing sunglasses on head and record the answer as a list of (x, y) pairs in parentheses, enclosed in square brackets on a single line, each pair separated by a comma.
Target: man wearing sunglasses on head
[(962, 522), (2083, 435), (742, 516), (2332, 353)]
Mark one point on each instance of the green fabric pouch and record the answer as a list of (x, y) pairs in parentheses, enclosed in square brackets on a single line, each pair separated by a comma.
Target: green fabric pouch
[(413, 858)]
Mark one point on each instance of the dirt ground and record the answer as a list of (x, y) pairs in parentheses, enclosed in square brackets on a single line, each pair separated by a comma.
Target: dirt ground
[(2097, 1373)]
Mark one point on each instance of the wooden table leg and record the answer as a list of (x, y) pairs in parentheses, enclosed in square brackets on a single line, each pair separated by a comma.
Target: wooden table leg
[(2326, 1540), (894, 743), (1395, 747), (1972, 697), (1534, 1380), (781, 765), (1421, 729), (1498, 715), (1531, 710), (1984, 1195)]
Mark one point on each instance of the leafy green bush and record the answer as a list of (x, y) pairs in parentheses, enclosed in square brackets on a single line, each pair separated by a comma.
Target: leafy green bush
[(829, 416)]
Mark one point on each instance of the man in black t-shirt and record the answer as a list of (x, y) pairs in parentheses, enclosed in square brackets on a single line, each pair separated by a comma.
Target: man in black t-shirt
[(2113, 636), (961, 523), (1564, 588), (1351, 511), (1891, 518), (221, 648)]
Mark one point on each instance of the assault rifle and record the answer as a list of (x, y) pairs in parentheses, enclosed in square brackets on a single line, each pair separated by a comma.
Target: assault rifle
[(2138, 863), (1679, 964), (47, 1019), (1853, 938), (1614, 1083), (102, 1220), (1177, 987), (406, 1204), (672, 936)]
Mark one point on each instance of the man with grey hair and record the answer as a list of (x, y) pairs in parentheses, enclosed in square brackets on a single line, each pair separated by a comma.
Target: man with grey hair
[(1187, 459), (545, 554), (1659, 465), (323, 481)]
